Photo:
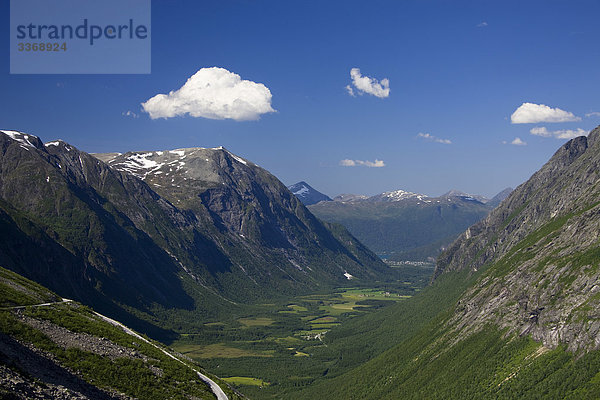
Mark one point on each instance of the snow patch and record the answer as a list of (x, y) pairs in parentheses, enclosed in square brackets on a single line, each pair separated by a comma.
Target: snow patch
[(20, 137), (348, 276), (301, 192)]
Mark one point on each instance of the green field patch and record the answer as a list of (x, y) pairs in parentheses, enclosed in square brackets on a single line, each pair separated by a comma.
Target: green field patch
[(244, 380), (323, 320), (325, 326), (297, 308), (258, 321), (215, 324), (219, 350), (300, 354), (288, 340)]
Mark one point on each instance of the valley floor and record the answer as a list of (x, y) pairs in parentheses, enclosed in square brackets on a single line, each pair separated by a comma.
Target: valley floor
[(279, 347)]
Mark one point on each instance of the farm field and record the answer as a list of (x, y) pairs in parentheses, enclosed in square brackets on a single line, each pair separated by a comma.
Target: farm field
[(280, 346)]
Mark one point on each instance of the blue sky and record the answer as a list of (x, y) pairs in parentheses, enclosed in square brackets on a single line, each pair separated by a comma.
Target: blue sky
[(457, 71)]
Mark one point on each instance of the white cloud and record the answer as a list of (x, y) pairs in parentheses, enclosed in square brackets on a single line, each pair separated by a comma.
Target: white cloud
[(365, 84), (213, 93), (359, 163), (518, 142), (593, 114), (130, 113), (530, 113), (482, 24), (559, 134), (350, 90), (432, 138)]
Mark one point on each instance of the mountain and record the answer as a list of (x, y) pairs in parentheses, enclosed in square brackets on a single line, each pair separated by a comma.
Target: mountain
[(54, 348), (307, 194), (513, 309), (499, 198), (458, 193), (402, 225), (149, 233), (350, 197)]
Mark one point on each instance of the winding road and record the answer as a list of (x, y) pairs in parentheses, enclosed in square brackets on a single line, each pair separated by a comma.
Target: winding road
[(216, 389)]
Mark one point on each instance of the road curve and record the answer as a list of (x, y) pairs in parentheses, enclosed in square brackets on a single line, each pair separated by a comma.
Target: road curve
[(216, 389)]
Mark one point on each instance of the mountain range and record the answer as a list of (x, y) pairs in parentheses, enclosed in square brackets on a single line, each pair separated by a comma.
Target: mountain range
[(401, 225), (140, 233)]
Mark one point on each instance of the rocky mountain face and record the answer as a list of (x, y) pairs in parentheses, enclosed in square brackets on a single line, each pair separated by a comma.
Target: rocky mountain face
[(164, 229), (307, 194), (541, 250), (402, 225)]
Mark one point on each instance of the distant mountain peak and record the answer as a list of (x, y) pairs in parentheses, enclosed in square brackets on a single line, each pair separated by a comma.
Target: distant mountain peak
[(397, 195), (466, 196), (307, 194)]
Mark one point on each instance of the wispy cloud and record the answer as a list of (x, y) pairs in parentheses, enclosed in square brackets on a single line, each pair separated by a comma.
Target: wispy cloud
[(365, 84), (482, 24), (130, 113), (530, 113), (517, 142), (432, 138), (360, 163), (558, 134), (593, 114), (213, 93)]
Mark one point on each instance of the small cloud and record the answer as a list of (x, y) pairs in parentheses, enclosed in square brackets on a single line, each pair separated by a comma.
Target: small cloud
[(530, 113), (432, 138), (359, 163), (60, 84), (213, 93), (365, 84), (518, 142), (129, 113), (593, 114), (559, 134), (482, 24)]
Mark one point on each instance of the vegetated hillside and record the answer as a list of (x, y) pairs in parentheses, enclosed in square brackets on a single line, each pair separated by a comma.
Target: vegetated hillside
[(519, 310), (307, 194), (198, 238), (51, 348), (402, 225)]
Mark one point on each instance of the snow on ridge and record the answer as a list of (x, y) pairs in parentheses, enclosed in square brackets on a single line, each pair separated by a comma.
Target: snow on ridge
[(348, 276), (22, 138), (398, 195), (238, 159), (301, 192), (54, 143)]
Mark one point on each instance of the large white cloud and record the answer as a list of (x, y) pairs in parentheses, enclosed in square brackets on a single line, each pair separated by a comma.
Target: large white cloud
[(432, 138), (530, 113), (213, 93), (361, 163), (559, 134), (364, 84)]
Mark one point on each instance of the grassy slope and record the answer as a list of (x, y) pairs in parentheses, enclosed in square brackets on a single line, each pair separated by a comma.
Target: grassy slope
[(431, 362), (132, 376)]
